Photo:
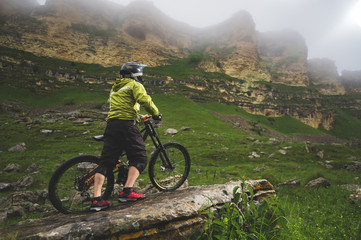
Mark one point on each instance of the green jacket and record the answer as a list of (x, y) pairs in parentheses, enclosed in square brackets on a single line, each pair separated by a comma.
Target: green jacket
[(125, 97)]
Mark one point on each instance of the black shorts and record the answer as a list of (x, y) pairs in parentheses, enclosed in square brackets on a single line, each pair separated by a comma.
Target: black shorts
[(122, 135)]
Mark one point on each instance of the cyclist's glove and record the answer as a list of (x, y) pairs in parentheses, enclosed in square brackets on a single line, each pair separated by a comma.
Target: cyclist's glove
[(158, 118)]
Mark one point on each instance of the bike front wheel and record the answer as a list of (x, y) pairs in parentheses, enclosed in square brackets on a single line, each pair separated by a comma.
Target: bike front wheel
[(165, 177), (71, 187)]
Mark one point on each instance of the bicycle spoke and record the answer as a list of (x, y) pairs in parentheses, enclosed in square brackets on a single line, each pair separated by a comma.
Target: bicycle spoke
[(164, 176)]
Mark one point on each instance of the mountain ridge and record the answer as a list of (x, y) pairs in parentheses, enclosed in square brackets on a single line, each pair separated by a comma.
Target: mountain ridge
[(110, 34)]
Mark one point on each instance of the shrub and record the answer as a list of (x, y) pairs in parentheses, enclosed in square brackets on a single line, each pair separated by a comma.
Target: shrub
[(196, 57), (244, 219)]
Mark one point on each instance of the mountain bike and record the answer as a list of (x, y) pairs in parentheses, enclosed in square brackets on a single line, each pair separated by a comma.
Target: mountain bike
[(71, 186)]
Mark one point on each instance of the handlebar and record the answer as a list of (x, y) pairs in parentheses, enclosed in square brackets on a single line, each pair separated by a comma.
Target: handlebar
[(146, 117)]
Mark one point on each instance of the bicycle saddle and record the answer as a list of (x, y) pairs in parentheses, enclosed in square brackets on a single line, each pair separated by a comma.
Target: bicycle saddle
[(99, 138)]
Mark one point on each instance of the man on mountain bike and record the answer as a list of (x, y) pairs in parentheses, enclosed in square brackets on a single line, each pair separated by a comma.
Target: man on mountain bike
[(122, 133)]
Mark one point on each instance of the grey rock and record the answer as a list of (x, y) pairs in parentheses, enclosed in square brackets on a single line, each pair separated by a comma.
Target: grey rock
[(33, 167), (170, 131), (19, 198), (354, 167), (12, 167), (320, 154), (5, 187), (283, 152), (3, 215), (46, 131), (21, 147), (15, 212), (254, 154), (42, 196), (251, 139), (274, 141), (319, 182), (291, 182), (355, 197), (186, 128), (23, 183), (328, 166)]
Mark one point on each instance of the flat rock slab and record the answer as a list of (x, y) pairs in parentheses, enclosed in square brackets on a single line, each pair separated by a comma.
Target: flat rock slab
[(164, 215)]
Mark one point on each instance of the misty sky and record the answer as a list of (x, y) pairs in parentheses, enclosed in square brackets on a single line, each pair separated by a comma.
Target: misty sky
[(331, 28)]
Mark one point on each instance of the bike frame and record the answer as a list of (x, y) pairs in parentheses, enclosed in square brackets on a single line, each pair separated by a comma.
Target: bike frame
[(149, 130)]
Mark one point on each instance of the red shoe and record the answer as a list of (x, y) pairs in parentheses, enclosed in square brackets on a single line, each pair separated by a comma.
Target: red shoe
[(99, 204), (131, 197)]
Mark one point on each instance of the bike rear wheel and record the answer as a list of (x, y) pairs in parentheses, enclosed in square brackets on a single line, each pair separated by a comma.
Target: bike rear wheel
[(71, 187), (161, 175)]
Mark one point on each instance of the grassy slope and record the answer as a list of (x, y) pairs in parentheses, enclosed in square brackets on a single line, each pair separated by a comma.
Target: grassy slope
[(219, 154), (213, 144), (284, 125), (63, 96), (346, 126)]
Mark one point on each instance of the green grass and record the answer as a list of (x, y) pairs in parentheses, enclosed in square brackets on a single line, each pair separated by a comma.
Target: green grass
[(219, 153), (63, 96), (346, 126), (185, 70), (285, 125), (319, 214)]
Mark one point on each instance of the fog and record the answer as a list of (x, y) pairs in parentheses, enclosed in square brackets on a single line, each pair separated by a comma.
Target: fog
[(331, 28)]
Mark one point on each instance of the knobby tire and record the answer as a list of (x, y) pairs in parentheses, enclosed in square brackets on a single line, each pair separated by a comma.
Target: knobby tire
[(165, 179), (63, 188)]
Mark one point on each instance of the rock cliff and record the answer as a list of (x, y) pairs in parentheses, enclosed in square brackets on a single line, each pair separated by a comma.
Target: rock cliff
[(351, 80), (105, 33), (109, 34), (96, 31), (284, 55), (324, 76)]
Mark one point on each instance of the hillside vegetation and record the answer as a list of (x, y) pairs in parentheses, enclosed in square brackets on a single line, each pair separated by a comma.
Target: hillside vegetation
[(225, 142)]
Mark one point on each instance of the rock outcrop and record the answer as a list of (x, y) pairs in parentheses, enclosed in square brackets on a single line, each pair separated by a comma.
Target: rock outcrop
[(167, 215), (261, 65), (284, 54), (109, 34), (96, 31), (351, 80), (324, 76)]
